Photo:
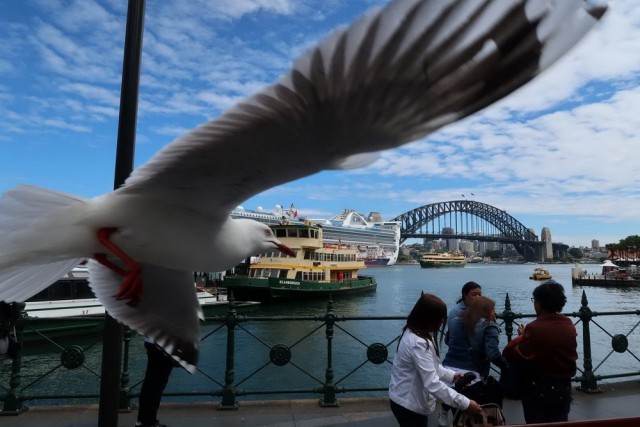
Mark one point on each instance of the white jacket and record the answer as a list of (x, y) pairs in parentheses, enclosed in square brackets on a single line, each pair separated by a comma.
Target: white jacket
[(416, 377)]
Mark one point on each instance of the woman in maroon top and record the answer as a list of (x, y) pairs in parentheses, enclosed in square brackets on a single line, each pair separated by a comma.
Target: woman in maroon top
[(545, 352)]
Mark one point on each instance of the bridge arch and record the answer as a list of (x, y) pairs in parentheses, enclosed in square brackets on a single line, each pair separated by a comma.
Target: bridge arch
[(467, 216)]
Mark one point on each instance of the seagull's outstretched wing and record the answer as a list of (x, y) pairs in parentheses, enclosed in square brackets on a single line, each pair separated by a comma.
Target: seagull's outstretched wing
[(169, 313), (391, 77)]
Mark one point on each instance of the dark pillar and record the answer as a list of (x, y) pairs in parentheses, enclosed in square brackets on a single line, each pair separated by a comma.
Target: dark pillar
[(112, 345)]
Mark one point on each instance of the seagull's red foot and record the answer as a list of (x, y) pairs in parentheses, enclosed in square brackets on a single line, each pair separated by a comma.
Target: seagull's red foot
[(131, 288)]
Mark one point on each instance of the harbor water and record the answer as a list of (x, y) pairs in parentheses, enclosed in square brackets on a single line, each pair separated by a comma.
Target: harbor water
[(398, 288)]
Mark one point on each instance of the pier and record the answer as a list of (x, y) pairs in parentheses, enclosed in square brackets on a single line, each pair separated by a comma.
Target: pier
[(616, 406)]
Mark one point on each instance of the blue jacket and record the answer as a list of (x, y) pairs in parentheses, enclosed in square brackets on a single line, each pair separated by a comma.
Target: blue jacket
[(484, 342), (459, 352)]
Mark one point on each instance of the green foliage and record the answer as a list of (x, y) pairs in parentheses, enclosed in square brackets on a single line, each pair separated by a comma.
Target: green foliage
[(495, 254), (576, 253), (404, 258)]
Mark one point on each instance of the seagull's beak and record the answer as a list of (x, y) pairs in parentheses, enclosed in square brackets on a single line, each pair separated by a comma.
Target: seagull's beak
[(285, 249)]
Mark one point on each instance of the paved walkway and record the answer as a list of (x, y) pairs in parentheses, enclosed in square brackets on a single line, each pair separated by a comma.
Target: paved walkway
[(616, 401)]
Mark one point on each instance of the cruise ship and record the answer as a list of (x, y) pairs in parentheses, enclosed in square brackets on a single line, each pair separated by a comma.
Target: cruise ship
[(377, 241)]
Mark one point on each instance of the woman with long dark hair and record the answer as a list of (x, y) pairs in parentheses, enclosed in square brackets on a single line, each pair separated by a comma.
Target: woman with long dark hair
[(483, 335), (417, 374)]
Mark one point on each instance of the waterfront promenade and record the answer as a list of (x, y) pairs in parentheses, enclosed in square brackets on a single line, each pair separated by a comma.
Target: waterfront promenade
[(618, 400)]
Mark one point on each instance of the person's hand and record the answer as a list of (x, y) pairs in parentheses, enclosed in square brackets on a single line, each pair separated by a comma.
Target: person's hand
[(520, 329), (474, 408), (456, 376)]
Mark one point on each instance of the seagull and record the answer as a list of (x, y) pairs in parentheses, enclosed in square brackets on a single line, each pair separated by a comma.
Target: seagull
[(393, 76)]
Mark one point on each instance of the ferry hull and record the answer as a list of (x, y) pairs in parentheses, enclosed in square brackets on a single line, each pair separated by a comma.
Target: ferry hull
[(377, 262), (540, 277), (264, 288), (601, 281), (42, 328), (426, 264)]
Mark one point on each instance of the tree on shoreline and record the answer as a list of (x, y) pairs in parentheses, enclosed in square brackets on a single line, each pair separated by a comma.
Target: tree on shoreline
[(629, 247)]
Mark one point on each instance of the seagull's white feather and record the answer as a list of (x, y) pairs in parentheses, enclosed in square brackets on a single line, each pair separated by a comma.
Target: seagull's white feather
[(20, 282), (391, 77)]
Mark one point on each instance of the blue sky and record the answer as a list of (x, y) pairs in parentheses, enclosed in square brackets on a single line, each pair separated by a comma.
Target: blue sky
[(563, 152)]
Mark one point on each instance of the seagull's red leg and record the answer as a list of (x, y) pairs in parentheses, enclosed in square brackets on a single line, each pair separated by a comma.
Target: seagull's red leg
[(131, 287)]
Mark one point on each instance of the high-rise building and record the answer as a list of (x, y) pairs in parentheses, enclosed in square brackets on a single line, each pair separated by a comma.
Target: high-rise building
[(595, 244), (547, 248), (466, 248), (452, 245)]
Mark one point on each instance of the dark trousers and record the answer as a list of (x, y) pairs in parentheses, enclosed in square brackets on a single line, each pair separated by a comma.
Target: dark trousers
[(546, 400), (407, 418), (159, 366)]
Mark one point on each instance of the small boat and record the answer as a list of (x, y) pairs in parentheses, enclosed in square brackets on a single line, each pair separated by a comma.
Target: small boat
[(69, 307), (317, 270), (540, 273), (442, 260)]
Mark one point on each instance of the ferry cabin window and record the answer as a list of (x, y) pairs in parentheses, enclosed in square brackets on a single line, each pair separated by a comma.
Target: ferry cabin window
[(281, 232), (299, 275), (313, 276), (283, 274), (307, 254), (304, 233)]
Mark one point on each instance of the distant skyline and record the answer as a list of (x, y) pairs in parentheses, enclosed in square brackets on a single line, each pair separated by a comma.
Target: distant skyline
[(563, 152)]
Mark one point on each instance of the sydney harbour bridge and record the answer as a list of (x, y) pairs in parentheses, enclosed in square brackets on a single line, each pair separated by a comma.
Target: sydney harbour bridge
[(471, 220)]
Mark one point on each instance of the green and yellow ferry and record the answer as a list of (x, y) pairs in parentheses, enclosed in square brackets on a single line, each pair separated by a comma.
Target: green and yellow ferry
[(442, 260), (317, 270)]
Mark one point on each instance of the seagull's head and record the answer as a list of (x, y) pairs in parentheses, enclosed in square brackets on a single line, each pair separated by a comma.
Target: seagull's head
[(267, 241)]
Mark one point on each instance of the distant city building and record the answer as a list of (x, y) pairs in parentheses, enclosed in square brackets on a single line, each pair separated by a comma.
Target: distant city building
[(483, 247), (434, 245), (467, 248), (595, 244), (374, 217), (452, 245)]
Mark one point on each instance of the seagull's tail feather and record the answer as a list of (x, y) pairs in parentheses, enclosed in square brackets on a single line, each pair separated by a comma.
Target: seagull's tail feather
[(33, 223), (19, 282), (168, 312)]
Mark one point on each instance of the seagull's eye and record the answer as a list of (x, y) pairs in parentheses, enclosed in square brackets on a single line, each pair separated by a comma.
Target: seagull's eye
[(267, 233)]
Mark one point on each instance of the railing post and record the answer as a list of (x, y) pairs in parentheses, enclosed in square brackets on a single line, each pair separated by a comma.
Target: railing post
[(229, 390), (13, 403), (508, 316), (588, 382), (329, 398), (125, 397)]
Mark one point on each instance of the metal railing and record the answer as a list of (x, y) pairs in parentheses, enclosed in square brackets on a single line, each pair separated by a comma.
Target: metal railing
[(324, 355)]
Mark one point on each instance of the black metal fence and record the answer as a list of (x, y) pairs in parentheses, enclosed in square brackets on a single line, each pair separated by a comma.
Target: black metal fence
[(252, 356)]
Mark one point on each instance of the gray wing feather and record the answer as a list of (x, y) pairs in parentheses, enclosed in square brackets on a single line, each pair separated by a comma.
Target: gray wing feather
[(393, 76)]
